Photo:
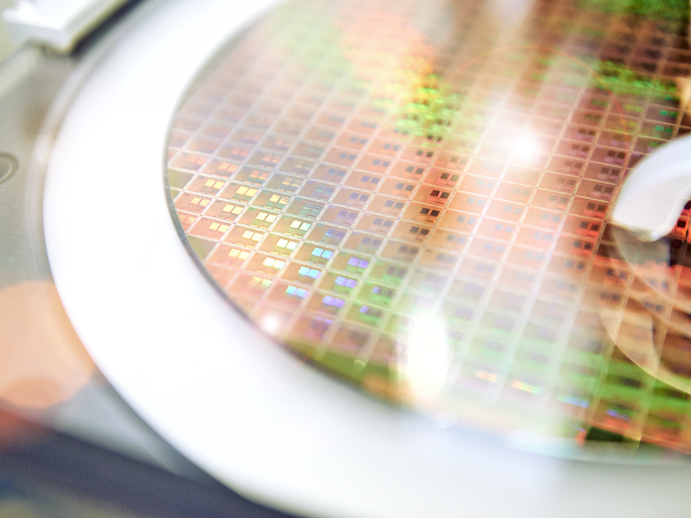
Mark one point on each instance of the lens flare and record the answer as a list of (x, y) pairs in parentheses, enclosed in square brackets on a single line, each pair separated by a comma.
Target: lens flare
[(427, 357)]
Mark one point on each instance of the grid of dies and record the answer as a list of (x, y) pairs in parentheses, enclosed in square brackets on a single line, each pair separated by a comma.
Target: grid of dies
[(332, 215)]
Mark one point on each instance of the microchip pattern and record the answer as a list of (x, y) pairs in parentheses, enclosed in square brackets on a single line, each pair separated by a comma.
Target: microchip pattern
[(413, 195)]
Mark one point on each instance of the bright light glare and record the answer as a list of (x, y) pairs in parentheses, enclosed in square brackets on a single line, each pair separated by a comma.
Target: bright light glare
[(526, 146), (271, 323), (426, 362)]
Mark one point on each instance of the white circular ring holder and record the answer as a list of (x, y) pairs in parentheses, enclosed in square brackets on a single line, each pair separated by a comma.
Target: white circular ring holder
[(209, 382)]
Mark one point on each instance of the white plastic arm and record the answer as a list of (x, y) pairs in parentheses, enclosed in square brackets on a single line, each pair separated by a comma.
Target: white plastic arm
[(655, 192)]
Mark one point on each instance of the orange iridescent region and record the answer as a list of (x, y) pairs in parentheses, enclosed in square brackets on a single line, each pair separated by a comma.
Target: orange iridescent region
[(413, 196)]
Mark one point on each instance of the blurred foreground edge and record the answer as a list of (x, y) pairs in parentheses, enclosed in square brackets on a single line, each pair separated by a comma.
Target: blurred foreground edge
[(37, 461)]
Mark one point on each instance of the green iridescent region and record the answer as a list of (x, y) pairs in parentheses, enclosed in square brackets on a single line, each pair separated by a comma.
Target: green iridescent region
[(622, 80), (652, 9), (431, 112)]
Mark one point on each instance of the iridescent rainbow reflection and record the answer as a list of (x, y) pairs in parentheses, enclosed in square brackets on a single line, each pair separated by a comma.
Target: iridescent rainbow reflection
[(413, 196)]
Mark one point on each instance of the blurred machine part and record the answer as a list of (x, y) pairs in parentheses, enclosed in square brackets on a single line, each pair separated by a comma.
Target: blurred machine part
[(58, 24)]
